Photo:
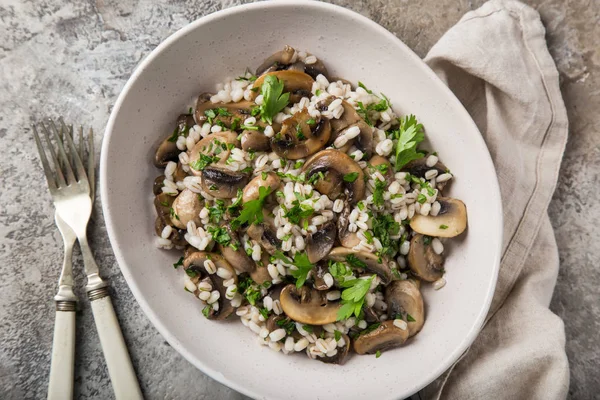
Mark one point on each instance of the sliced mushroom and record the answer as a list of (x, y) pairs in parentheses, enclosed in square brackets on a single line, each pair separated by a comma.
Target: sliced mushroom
[(402, 298), (296, 83), (308, 306), (361, 259), (419, 167), (319, 243), (195, 262), (253, 140), (176, 237), (342, 353), (384, 337), (167, 150), (251, 191), (299, 139), (285, 59), (423, 261), (186, 208), (318, 272), (260, 274), (266, 235), (222, 183), (450, 221), (158, 185), (347, 239), (214, 145), (370, 314), (335, 165), (235, 253), (376, 162)]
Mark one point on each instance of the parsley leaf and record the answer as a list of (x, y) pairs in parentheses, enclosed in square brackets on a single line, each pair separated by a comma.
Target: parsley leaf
[(443, 226), (378, 354), (203, 162), (298, 212), (178, 263), (362, 85), (409, 134), (337, 335), (206, 311), (353, 297), (409, 318), (351, 177), (220, 235), (385, 226), (252, 210), (301, 262), (274, 100), (380, 187), (354, 261), (287, 324)]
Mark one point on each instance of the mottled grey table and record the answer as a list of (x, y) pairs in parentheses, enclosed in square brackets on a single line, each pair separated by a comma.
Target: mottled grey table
[(73, 58)]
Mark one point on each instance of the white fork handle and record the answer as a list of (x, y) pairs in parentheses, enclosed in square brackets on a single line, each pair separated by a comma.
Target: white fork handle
[(63, 357), (120, 369)]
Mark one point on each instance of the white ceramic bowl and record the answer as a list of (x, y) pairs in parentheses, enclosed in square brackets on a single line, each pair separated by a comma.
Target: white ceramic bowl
[(222, 44)]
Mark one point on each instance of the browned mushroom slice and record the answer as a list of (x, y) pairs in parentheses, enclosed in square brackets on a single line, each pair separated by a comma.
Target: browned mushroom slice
[(260, 274), (348, 117), (253, 140), (167, 150), (251, 191), (266, 235), (195, 262), (235, 254), (308, 306), (176, 236), (423, 261), (222, 183), (284, 59), (213, 149), (158, 184), (301, 136), (402, 298), (419, 167), (342, 353), (386, 336), (186, 207), (296, 83), (363, 260), (318, 273), (450, 221), (334, 166), (319, 243), (347, 239)]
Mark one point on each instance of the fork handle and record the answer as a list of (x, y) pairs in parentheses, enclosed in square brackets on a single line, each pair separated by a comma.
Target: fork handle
[(120, 369), (63, 352)]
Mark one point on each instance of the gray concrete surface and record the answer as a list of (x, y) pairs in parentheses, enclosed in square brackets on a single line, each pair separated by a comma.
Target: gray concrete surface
[(73, 58)]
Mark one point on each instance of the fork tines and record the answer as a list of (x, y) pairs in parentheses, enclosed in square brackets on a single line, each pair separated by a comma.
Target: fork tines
[(66, 167)]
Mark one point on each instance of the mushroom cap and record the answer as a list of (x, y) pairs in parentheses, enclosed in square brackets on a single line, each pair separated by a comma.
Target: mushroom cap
[(176, 236), (341, 355), (449, 222), (266, 235), (167, 150), (260, 274), (209, 146), (384, 337), (251, 191), (237, 257), (236, 113), (186, 208), (404, 297), (308, 306), (318, 272), (297, 83), (419, 167), (336, 165), (297, 139), (370, 262), (319, 243), (195, 262), (423, 261), (284, 59), (347, 239), (222, 183), (158, 184), (255, 141)]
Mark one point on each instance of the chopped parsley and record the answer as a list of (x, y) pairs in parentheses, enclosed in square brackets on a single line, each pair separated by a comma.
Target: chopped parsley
[(409, 134), (427, 240), (287, 324), (172, 213), (362, 85), (250, 289), (421, 198), (311, 121), (355, 262), (315, 177), (353, 297), (351, 177), (203, 162), (164, 203), (191, 273), (252, 210), (252, 78), (378, 192), (378, 354), (216, 212), (220, 235), (206, 311), (383, 168), (298, 212), (318, 92), (409, 318), (178, 263), (264, 312), (339, 271), (274, 100), (443, 226), (308, 328), (302, 264), (384, 226), (337, 335)]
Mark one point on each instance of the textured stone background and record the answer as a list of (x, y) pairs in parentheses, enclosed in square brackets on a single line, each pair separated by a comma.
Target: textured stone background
[(73, 58)]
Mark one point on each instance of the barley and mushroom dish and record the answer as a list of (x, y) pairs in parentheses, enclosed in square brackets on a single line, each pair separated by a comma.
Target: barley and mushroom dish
[(303, 205)]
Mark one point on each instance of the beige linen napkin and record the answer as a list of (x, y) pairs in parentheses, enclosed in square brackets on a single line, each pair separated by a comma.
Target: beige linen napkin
[(496, 61)]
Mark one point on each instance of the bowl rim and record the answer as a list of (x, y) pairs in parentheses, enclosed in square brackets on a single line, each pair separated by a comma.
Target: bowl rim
[(495, 198)]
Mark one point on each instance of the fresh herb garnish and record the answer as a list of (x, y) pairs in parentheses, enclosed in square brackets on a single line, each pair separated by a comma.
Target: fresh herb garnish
[(311, 121), (378, 354), (409, 318), (302, 264), (203, 162), (191, 273), (216, 212), (173, 215), (250, 289), (427, 240), (443, 226), (362, 85), (264, 312), (409, 134), (220, 235), (206, 311), (384, 226), (178, 263), (274, 100), (350, 177), (421, 198), (308, 328), (287, 324), (164, 203), (315, 177), (298, 212), (337, 335), (252, 210), (353, 297), (380, 187), (355, 262)]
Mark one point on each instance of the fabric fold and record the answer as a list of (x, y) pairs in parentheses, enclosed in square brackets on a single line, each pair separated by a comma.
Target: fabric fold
[(496, 61)]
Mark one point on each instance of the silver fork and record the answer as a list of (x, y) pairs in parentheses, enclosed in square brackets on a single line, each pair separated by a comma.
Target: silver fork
[(70, 190)]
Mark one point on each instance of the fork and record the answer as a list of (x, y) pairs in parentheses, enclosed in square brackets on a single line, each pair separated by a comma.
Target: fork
[(70, 190)]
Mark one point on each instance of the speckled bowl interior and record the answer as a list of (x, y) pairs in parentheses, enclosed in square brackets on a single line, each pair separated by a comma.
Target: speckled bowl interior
[(222, 44)]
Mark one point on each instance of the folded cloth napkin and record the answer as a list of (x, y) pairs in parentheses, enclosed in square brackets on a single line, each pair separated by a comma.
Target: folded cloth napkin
[(496, 61)]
